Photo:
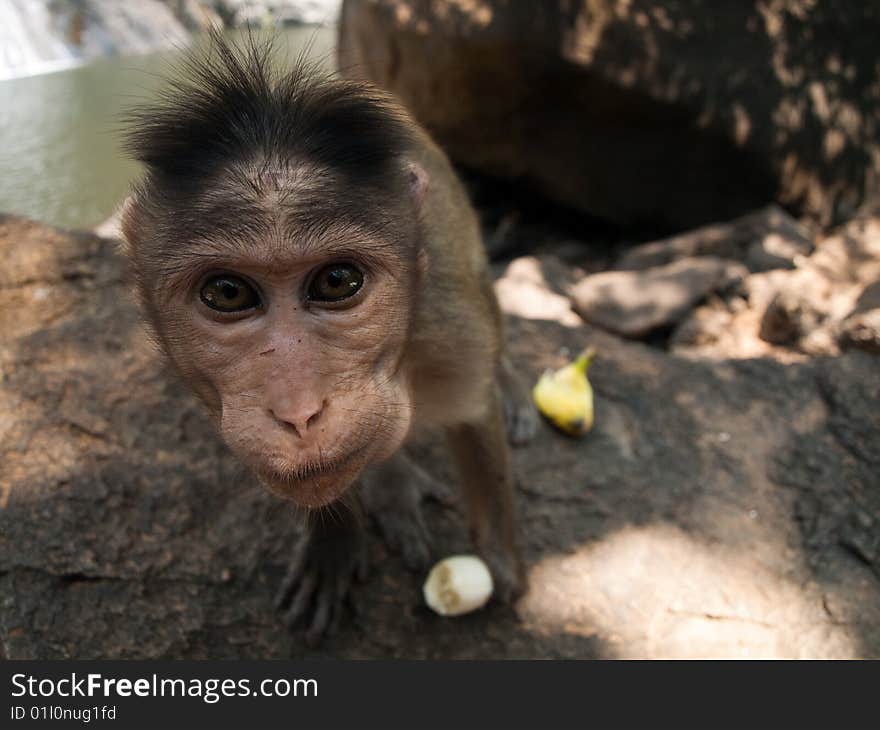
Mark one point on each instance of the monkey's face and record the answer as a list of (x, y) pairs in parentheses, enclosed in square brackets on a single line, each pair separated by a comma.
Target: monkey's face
[(275, 242), (297, 350)]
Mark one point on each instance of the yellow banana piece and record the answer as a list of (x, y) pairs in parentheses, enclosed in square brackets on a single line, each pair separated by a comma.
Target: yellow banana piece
[(565, 396)]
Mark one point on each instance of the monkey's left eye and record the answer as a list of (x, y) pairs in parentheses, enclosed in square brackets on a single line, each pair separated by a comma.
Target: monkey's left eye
[(335, 282), (228, 293)]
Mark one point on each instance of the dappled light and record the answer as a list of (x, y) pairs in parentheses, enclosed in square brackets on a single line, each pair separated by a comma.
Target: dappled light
[(781, 95), (523, 292), (657, 591), (622, 323)]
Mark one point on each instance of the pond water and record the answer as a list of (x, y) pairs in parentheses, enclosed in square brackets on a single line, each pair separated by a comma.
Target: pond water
[(60, 155)]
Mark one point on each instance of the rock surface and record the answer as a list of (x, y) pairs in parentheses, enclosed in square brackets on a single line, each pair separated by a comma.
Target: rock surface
[(763, 240), (861, 331), (634, 303), (660, 113), (824, 304), (861, 327), (718, 508)]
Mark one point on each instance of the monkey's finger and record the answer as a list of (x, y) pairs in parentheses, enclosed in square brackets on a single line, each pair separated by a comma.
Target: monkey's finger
[(301, 601), (325, 600), (343, 582), (285, 592), (343, 594), (287, 588), (293, 576), (333, 629), (362, 568), (417, 548), (522, 423), (336, 611)]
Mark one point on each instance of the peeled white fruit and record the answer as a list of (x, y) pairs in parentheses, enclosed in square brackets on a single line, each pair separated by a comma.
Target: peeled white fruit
[(457, 585)]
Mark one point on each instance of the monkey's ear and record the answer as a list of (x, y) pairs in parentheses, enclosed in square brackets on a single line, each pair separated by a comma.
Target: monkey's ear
[(418, 182), (125, 222)]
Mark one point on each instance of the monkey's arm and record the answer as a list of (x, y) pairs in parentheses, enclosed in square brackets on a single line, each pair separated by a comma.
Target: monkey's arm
[(326, 560), (481, 454)]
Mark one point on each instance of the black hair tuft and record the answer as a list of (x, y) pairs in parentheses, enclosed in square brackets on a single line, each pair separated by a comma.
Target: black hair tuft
[(228, 104)]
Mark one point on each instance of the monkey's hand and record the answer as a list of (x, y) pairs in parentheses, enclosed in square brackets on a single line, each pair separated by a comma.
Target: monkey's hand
[(520, 414), (507, 569), (392, 494), (326, 560)]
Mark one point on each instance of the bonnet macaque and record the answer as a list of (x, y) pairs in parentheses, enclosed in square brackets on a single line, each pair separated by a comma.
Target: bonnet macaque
[(311, 266)]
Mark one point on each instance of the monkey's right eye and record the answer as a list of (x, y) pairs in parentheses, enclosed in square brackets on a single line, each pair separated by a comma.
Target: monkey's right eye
[(226, 293)]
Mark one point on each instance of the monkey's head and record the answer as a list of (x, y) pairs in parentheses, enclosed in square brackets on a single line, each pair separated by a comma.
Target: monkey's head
[(275, 245)]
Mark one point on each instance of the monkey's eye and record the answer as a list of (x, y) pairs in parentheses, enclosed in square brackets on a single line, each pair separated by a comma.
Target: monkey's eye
[(227, 293), (335, 282)]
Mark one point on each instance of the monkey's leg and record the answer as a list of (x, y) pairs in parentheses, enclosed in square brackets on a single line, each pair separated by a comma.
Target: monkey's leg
[(520, 414), (392, 494), (327, 558), (481, 454)]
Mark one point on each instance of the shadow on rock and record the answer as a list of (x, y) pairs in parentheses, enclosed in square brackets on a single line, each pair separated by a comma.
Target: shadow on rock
[(709, 512)]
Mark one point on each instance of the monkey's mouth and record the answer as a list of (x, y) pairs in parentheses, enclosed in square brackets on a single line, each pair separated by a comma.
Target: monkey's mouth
[(313, 484)]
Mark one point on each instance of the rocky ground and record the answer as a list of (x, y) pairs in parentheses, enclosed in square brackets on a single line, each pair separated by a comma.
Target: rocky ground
[(726, 503)]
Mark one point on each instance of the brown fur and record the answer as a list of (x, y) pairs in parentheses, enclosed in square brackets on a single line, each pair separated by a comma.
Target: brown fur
[(308, 395)]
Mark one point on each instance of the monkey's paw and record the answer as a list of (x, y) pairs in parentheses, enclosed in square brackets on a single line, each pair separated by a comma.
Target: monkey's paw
[(319, 579), (508, 574), (396, 507), (520, 415), (521, 419)]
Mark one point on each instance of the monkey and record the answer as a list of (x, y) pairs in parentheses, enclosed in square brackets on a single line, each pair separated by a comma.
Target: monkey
[(309, 263)]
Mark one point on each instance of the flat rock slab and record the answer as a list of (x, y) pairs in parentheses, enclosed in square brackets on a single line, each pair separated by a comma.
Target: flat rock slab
[(766, 239), (724, 508), (633, 303)]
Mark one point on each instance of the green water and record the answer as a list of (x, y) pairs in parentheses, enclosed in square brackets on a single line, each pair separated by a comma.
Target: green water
[(60, 156)]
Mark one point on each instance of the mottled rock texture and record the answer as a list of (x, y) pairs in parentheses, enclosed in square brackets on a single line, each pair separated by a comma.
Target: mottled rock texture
[(660, 113), (718, 508)]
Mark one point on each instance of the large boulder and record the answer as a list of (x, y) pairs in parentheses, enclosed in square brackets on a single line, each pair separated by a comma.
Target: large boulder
[(649, 112)]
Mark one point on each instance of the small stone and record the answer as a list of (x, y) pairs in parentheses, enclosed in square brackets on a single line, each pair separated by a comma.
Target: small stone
[(633, 303), (861, 331), (789, 316)]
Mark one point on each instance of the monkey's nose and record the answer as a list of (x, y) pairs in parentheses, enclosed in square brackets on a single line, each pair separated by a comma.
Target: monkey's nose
[(300, 417)]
